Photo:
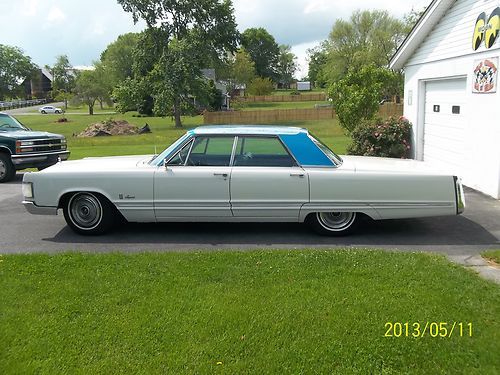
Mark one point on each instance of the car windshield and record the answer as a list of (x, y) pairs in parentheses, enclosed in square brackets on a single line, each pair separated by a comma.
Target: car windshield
[(337, 160), (10, 124), (159, 159)]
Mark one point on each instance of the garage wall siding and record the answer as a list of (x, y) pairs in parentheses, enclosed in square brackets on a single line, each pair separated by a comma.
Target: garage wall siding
[(452, 36)]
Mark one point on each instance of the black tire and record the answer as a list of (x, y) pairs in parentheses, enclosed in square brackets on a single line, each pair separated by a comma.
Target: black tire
[(89, 213), (44, 113), (334, 223), (7, 170), (58, 112)]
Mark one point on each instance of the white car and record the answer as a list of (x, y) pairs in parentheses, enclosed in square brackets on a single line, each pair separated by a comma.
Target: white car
[(241, 174), (49, 109)]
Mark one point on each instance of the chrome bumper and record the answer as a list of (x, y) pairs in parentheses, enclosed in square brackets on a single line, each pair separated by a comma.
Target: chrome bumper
[(32, 208)]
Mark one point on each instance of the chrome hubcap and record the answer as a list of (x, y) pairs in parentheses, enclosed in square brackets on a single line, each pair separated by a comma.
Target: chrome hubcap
[(85, 210), (3, 169), (336, 221)]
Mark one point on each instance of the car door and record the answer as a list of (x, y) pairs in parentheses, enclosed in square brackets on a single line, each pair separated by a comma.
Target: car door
[(266, 181), (194, 183)]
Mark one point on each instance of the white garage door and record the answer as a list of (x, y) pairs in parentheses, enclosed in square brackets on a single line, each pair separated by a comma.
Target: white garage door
[(444, 126)]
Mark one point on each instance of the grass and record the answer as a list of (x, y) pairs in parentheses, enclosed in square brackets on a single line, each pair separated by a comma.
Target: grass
[(492, 255), (279, 105), (287, 92), (283, 312), (163, 133)]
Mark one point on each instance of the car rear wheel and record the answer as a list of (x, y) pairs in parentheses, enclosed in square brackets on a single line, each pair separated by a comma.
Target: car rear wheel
[(334, 223), (88, 213), (7, 170)]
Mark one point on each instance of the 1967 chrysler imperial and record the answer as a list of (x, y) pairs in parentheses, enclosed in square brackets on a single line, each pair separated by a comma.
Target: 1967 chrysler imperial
[(241, 174)]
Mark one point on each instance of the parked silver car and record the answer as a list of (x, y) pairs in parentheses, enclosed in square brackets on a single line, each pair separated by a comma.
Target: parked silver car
[(50, 109)]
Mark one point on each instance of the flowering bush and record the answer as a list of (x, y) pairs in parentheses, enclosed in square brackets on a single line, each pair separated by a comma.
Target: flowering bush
[(386, 138)]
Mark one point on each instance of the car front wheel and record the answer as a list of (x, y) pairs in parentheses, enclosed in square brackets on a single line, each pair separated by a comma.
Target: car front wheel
[(334, 223), (43, 112), (88, 213), (7, 170)]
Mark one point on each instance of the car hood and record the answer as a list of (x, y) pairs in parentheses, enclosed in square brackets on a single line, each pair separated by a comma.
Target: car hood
[(388, 165), (24, 134), (100, 164)]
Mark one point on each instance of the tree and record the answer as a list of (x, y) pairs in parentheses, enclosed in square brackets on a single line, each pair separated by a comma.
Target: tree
[(14, 68), (356, 97), (260, 86), (369, 37), (64, 78), (286, 66), (263, 50), (118, 57), (240, 70), (104, 80), (317, 58), (181, 37), (89, 89)]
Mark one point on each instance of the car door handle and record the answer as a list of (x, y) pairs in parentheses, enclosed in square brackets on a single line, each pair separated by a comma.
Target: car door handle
[(301, 175), (221, 175)]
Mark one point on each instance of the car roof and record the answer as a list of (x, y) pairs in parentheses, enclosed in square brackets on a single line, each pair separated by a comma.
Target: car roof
[(248, 130)]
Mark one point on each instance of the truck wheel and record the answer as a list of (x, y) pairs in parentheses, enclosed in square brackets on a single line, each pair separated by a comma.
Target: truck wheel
[(333, 223), (7, 170), (88, 213)]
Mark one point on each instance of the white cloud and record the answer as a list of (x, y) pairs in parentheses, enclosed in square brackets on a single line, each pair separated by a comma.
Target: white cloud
[(315, 6), (55, 15), (30, 7)]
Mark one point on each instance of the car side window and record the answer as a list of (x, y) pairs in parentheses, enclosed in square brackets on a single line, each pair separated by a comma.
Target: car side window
[(180, 157), (262, 152), (211, 151)]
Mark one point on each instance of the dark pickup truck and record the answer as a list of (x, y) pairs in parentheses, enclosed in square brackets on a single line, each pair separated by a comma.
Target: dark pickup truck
[(22, 148)]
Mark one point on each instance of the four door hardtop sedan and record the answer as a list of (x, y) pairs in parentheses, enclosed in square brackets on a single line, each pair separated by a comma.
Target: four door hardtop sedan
[(241, 174)]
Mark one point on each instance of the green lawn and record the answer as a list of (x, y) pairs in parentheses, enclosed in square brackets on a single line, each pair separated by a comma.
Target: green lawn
[(163, 133), (272, 312), (279, 105), (493, 255)]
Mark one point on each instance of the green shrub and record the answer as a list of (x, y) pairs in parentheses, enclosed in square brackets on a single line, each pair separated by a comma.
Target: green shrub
[(357, 95), (260, 86), (382, 137), (295, 92)]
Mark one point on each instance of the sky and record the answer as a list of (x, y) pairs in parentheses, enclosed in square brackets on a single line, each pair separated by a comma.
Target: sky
[(82, 29)]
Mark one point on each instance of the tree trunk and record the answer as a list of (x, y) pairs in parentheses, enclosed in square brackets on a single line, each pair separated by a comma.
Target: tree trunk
[(65, 104), (100, 103), (177, 113), (91, 109)]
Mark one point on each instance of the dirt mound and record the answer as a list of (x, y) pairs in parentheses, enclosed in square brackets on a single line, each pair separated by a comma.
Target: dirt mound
[(110, 127)]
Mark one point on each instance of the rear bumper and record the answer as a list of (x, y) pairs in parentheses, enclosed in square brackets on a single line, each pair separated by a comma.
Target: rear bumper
[(38, 160), (32, 208)]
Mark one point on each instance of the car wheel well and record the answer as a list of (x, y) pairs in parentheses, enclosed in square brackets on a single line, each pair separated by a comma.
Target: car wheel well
[(66, 197), (5, 151), (360, 214)]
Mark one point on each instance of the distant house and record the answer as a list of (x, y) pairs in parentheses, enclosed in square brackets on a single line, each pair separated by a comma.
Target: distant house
[(39, 86), (238, 90)]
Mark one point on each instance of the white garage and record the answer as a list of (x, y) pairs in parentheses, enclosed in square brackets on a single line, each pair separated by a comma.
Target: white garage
[(450, 61)]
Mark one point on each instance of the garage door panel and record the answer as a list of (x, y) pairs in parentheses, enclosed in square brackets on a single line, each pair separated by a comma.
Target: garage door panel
[(444, 131)]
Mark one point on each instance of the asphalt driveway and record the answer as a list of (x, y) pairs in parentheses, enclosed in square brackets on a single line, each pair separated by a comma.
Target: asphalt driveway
[(468, 234)]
